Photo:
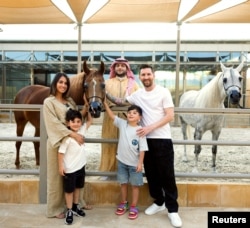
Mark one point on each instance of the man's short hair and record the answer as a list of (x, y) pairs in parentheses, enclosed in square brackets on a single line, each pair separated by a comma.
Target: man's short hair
[(144, 66)]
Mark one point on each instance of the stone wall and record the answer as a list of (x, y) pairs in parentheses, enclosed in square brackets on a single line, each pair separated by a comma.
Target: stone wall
[(107, 193)]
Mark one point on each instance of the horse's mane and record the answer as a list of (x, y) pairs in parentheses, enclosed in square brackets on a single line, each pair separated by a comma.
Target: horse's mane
[(76, 86), (76, 81), (209, 95)]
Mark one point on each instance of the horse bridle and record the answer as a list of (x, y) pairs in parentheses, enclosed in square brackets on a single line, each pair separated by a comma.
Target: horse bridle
[(92, 97), (233, 84)]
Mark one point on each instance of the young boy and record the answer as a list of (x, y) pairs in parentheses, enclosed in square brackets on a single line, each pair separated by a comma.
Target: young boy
[(130, 155), (72, 161)]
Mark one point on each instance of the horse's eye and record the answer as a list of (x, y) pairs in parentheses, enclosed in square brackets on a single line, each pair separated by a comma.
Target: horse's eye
[(85, 86), (103, 85), (240, 79), (224, 80)]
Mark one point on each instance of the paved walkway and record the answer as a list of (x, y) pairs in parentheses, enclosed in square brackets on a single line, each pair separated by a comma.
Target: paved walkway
[(27, 216)]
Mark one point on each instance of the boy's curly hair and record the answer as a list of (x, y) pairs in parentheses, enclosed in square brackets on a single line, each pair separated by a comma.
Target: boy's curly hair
[(71, 114)]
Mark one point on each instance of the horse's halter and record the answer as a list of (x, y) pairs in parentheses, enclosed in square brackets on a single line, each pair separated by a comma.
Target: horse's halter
[(234, 83), (94, 99)]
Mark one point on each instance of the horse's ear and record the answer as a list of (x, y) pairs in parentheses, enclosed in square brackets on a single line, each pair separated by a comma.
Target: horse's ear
[(102, 67), (239, 68), (223, 68), (85, 68)]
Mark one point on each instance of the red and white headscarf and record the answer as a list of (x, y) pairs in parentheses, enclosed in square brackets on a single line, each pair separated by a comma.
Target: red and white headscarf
[(130, 74)]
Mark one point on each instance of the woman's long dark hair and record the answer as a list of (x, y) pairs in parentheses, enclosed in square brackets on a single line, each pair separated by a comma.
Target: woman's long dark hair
[(54, 83)]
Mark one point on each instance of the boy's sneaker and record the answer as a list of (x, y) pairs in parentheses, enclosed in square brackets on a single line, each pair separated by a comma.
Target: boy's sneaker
[(78, 211), (122, 208), (69, 217)]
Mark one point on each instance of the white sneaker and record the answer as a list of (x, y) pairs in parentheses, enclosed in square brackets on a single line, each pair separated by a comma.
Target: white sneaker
[(154, 208), (175, 219)]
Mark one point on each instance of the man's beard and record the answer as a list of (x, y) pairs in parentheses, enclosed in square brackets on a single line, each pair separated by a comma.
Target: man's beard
[(147, 83), (121, 75)]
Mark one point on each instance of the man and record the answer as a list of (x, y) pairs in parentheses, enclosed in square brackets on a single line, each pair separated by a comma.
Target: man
[(120, 84), (158, 111)]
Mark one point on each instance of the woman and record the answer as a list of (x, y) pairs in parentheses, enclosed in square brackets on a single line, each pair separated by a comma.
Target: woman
[(54, 110)]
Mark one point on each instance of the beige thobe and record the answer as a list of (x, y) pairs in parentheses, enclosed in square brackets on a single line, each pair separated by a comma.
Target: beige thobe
[(116, 87)]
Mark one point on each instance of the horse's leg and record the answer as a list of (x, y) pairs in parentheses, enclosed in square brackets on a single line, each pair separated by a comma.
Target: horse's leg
[(184, 133), (37, 146), (20, 125), (197, 148), (215, 137)]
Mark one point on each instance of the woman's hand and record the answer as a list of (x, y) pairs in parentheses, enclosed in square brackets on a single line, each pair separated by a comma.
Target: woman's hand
[(78, 137)]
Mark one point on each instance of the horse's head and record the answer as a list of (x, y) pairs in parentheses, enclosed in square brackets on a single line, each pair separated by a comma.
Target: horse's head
[(94, 88), (231, 80)]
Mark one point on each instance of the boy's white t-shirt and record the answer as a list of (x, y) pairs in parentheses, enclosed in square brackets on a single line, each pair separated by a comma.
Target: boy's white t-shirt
[(74, 154), (130, 144)]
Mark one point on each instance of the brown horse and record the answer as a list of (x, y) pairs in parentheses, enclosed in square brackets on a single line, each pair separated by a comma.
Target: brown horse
[(89, 82)]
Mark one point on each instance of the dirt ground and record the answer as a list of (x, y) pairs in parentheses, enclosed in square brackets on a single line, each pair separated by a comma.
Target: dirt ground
[(230, 159)]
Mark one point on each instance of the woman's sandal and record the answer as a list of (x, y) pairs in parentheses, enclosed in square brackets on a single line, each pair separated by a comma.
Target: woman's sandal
[(60, 216), (87, 207), (133, 213)]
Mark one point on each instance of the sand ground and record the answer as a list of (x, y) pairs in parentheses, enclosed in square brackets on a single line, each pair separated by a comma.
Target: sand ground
[(230, 159)]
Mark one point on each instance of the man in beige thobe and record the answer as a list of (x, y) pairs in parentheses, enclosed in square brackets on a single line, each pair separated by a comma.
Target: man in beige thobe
[(120, 84)]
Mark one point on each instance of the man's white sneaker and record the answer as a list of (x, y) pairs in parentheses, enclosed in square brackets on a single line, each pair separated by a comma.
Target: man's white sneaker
[(175, 219), (154, 208)]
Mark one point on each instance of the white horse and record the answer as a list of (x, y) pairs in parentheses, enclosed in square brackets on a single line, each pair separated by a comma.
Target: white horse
[(225, 84)]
